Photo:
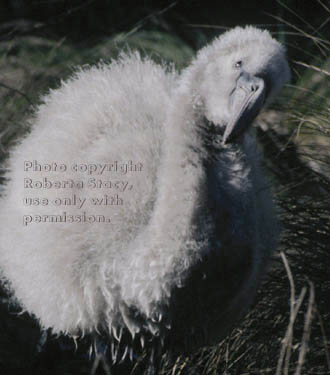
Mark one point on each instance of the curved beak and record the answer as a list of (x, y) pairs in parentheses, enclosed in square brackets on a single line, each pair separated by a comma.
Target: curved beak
[(246, 101)]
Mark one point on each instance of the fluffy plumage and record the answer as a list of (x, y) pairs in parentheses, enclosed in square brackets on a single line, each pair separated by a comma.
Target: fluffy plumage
[(182, 258)]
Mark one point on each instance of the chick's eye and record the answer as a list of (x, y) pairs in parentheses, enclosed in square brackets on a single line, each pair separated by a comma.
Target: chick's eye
[(238, 64)]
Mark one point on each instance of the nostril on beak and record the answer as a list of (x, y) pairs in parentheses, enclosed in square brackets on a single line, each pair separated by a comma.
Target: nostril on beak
[(254, 87)]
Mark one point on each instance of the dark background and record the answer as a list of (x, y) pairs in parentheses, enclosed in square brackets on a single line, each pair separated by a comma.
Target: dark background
[(193, 21)]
